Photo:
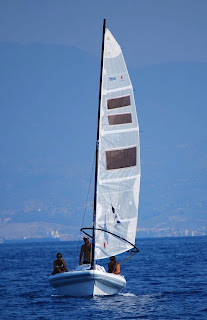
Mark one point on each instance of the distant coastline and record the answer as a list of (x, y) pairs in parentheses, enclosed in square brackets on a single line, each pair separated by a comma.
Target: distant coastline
[(147, 236)]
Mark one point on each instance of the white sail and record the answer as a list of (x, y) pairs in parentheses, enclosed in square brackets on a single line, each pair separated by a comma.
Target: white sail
[(118, 180)]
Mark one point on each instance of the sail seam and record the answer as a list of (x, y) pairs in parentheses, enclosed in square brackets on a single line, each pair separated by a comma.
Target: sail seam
[(105, 91), (119, 131), (102, 181)]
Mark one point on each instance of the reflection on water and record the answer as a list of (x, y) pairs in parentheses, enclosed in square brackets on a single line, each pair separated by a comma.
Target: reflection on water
[(127, 305)]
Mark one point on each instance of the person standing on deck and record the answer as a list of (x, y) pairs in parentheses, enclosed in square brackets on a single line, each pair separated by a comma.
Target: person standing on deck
[(85, 252)]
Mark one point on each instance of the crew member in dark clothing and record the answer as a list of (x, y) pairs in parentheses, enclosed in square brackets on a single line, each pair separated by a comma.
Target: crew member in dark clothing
[(114, 266)]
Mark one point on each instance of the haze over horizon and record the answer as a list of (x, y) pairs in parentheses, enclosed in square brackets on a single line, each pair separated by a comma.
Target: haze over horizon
[(50, 61)]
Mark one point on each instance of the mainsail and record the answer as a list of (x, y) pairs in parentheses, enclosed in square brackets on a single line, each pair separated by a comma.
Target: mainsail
[(118, 180)]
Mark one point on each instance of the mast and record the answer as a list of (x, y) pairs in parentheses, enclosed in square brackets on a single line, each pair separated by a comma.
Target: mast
[(97, 149)]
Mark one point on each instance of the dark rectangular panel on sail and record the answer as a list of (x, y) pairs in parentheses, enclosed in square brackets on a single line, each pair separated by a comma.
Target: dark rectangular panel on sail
[(120, 119), (122, 158), (118, 102)]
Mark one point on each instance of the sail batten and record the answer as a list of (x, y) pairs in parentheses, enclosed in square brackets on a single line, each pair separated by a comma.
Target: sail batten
[(118, 178), (105, 92), (102, 181), (119, 131)]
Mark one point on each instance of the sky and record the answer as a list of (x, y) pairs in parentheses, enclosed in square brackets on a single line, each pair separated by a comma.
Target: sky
[(50, 60)]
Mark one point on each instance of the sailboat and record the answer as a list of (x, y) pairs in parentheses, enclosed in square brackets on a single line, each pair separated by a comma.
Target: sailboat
[(117, 180)]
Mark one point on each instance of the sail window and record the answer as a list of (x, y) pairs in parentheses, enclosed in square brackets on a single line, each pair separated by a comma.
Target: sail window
[(122, 158), (118, 102), (120, 119)]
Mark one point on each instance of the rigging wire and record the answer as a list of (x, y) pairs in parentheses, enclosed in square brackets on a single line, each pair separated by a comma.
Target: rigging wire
[(128, 258), (84, 212)]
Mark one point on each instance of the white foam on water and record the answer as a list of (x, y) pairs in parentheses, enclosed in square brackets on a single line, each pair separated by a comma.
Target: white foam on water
[(128, 294)]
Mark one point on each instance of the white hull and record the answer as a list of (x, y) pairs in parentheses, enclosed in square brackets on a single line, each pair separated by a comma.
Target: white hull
[(86, 282)]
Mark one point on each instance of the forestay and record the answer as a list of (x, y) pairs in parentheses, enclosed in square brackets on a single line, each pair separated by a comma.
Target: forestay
[(118, 180)]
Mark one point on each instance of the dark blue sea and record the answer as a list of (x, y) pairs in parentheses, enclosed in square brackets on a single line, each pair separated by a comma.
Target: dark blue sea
[(167, 279)]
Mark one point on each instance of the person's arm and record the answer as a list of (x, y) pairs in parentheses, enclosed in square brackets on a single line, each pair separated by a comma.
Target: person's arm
[(110, 268), (64, 265), (81, 253), (91, 253), (53, 268), (117, 271)]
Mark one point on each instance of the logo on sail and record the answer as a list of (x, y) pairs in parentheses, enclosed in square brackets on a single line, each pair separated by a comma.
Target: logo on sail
[(112, 78), (116, 217)]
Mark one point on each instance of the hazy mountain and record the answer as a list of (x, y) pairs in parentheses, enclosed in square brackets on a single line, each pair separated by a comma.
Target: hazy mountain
[(49, 100)]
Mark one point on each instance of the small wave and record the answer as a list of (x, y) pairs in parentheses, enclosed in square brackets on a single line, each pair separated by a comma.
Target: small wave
[(127, 294)]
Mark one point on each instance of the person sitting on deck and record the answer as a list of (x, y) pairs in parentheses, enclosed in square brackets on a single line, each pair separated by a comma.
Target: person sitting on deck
[(114, 266), (59, 265), (85, 252)]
